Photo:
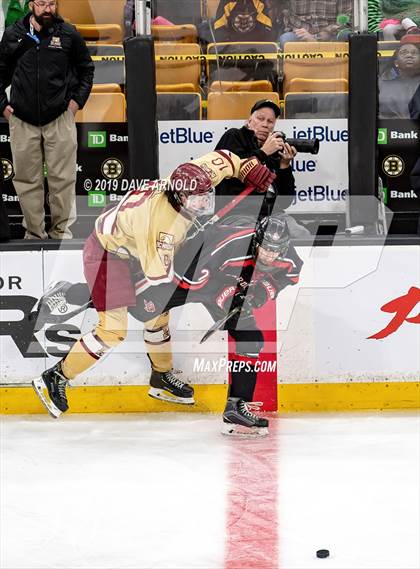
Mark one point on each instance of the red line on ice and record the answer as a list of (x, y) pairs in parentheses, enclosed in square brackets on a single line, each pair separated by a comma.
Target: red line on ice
[(252, 517)]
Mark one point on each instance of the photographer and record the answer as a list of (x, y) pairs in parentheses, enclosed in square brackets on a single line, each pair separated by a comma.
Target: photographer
[(257, 138)]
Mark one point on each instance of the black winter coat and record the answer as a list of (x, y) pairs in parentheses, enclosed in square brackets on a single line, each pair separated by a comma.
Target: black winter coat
[(44, 75), (243, 143)]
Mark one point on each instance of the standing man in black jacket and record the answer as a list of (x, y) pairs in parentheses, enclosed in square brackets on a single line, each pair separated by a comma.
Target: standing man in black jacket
[(47, 63), (257, 138)]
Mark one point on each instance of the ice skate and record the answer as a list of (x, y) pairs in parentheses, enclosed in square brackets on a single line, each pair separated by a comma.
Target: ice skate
[(238, 419), (51, 390), (54, 298), (167, 387)]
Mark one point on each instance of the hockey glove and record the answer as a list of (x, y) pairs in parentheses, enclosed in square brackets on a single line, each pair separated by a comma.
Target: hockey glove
[(261, 292), (254, 173)]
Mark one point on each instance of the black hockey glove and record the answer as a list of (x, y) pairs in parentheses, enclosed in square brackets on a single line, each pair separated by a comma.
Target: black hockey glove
[(261, 292)]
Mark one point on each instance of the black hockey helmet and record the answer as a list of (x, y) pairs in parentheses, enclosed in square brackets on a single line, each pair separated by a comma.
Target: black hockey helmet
[(187, 184), (271, 240)]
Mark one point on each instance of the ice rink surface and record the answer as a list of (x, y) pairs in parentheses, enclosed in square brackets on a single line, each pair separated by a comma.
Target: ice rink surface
[(168, 491)]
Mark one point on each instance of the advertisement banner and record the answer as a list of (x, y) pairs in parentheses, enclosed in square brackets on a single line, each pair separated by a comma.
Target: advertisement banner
[(354, 316), (399, 163), (102, 163), (321, 180)]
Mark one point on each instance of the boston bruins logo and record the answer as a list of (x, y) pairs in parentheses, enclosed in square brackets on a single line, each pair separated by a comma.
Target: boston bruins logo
[(393, 166), (112, 168), (8, 171)]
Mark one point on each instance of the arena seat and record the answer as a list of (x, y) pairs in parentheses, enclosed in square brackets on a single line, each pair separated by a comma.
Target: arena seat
[(176, 88), (109, 71), (106, 33), (302, 85), (313, 69), (96, 20), (106, 88), (172, 71), (185, 33), (262, 85), (105, 50), (103, 107), (386, 60), (316, 105), (249, 67), (235, 105), (316, 47), (178, 106), (388, 45)]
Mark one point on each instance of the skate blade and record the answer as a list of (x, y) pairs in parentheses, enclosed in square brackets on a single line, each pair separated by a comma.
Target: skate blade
[(239, 431), (39, 387), (162, 395)]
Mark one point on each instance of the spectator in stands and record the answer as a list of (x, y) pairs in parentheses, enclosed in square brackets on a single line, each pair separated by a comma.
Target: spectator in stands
[(257, 138), (395, 18), (243, 20), (319, 20), (4, 220), (48, 65), (400, 80)]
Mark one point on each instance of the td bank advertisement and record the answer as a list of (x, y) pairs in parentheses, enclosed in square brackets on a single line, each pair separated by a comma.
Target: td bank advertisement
[(321, 180)]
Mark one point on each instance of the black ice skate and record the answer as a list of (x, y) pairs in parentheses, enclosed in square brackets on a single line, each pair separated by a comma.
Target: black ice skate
[(167, 387), (238, 419), (51, 389), (54, 298)]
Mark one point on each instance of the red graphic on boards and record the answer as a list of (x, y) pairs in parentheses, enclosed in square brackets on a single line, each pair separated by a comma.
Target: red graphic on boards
[(401, 306)]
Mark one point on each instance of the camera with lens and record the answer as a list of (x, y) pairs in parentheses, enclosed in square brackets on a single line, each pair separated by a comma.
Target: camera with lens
[(308, 145)]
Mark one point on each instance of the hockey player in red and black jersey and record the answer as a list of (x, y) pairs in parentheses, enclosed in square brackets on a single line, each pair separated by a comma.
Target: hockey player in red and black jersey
[(236, 270), (231, 271)]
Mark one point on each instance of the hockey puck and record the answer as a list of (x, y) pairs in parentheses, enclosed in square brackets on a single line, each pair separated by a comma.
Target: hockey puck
[(322, 553)]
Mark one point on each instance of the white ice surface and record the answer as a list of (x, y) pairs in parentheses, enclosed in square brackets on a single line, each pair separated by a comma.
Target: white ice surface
[(150, 491)]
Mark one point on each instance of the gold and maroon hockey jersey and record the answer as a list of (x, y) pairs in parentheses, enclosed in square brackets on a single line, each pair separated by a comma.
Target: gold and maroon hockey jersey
[(146, 226)]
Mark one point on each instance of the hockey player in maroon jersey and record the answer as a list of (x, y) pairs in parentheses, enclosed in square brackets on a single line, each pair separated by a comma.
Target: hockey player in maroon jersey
[(147, 226), (231, 270)]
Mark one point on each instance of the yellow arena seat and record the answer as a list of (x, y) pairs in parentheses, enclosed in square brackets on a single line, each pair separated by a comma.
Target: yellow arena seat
[(313, 69), (103, 107), (388, 45), (106, 50), (302, 85), (317, 47), (96, 20), (106, 88), (316, 105), (178, 106), (176, 88), (183, 33), (172, 71), (235, 105), (262, 85), (242, 61)]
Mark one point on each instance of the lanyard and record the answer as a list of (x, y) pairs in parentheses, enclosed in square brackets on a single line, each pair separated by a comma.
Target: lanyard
[(31, 32)]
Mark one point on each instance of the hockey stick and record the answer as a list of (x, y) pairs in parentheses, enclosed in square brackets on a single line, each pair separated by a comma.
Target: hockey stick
[(219, 323)]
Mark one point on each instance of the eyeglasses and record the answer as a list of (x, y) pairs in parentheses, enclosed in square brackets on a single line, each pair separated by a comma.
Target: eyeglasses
[(43, 5)]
